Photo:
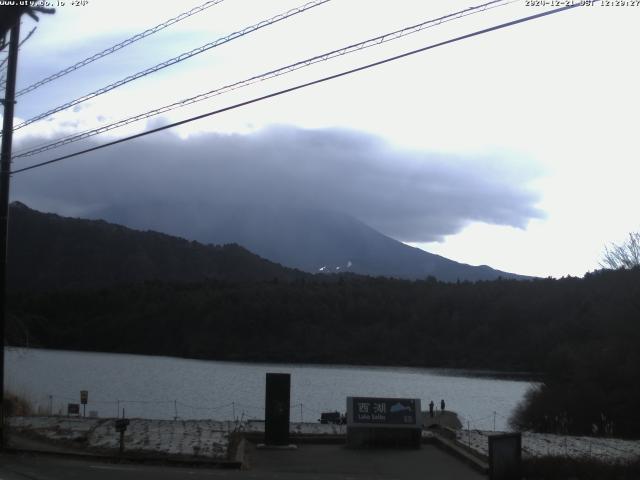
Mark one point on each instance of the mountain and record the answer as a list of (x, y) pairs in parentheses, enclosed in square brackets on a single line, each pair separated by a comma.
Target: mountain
[(310, 240), (49, 251)]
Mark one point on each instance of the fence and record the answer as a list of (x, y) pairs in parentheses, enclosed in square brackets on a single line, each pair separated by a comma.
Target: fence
[(167, 409)]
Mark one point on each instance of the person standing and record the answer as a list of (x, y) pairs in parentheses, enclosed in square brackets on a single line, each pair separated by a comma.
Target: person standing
[(442, 405), (431, 408)]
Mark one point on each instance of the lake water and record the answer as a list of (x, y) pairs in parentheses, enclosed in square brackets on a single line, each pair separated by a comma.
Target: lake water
[(167, 387)]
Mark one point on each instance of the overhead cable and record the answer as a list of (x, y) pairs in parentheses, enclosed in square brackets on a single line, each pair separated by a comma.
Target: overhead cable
[(27, 37), (4, 64), (118, 46), (265, 76), (301, 86), (175, 60)]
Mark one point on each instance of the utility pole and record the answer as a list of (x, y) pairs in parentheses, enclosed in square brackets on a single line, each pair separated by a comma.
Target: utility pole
[(5, 172)]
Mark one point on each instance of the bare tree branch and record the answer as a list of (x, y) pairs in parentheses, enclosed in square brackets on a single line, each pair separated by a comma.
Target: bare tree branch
[(624, 255)]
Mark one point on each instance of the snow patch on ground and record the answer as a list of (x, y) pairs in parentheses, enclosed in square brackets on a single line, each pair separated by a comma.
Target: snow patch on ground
[(205, 438), (56, 428), (202, 438), (544, 444), (300, 428), (210, 438)]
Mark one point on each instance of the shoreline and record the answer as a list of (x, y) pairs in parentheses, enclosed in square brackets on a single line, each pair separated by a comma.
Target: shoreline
[(468, 372)]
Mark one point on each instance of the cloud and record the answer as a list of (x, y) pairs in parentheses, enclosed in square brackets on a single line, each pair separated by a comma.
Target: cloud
[(413, 196)]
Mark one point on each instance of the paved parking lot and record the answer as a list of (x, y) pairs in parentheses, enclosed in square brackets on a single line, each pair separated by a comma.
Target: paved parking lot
[(335, 461), (308, 462)]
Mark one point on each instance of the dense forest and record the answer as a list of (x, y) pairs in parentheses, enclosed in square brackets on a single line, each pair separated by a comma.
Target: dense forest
[(581, 334)]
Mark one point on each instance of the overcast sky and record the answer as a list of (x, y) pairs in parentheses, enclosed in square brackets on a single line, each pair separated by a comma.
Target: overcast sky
[(517, 149)]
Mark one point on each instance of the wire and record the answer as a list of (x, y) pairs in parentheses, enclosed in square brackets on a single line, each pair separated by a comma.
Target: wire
[(265, 76), (219, 407), (3, 64), (175, 60), (27, 37), (3, 79), (118, 46), (145, 401), (303, 85)]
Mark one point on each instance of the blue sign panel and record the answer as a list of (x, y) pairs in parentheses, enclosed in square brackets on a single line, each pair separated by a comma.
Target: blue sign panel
[(386, 411)]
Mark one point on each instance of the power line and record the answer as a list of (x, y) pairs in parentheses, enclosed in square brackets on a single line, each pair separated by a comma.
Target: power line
[(175, 60), (118, 46), (267, 75), (3, 76), (303, 85), (3, 63), (27, 38)]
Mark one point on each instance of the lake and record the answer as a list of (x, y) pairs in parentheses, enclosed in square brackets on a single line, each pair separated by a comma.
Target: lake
[(167, 387)]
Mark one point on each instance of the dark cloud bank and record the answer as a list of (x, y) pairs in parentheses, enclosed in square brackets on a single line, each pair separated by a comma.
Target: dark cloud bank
[(198, 187)]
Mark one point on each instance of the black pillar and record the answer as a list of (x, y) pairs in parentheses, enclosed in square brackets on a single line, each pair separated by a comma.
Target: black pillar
[(276, 430)]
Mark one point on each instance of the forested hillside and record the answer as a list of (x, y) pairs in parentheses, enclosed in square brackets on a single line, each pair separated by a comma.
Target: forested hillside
[(48, 252)]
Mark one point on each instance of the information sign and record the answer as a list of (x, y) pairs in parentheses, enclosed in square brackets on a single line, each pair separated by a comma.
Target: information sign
[(373, 421), (121, 424), (384, 411)]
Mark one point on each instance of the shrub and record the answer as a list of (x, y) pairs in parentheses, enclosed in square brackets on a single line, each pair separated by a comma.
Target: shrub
[(15, 406)]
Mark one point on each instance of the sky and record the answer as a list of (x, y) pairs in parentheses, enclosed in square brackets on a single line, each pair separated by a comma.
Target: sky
[(515, 149)]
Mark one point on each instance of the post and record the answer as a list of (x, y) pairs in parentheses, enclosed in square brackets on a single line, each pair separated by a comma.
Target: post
[(301, 417), (505, 456), (84, 398), (5, 169), (50, 405), (175, 410), (233, 410), (121, 442), (121, 427), (494, 421)]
